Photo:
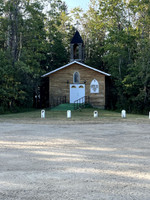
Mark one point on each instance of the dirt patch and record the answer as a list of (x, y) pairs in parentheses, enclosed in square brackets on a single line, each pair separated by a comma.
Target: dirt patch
[(72, 160)]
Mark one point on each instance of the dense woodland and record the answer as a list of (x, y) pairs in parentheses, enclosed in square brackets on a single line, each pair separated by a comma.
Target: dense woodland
[(35, 38)]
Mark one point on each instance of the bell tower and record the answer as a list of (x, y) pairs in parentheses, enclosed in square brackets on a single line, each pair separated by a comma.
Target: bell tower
[(77, 48)]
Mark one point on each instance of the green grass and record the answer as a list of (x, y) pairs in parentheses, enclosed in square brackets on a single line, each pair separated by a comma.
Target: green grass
[(79, 115), (63, 107)]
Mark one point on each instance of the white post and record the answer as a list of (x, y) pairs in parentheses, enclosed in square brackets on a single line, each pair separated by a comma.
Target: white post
[(42, 114), (68, 113), (95, 114), (123, 114), (149, 115)]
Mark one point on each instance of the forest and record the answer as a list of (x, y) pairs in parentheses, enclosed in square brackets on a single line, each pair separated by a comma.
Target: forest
[(35, 38)]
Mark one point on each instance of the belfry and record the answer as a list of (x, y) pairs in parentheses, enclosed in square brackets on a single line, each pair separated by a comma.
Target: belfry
[(77, 48)]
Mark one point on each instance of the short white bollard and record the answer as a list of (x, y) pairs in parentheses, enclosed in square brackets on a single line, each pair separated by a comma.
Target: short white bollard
[(95, 114), (149, 115), (68, 113), (123, 114), (42, 113)]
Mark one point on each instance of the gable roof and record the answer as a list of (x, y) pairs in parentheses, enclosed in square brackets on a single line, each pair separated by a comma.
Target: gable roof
[(76, 62), (76, 38)]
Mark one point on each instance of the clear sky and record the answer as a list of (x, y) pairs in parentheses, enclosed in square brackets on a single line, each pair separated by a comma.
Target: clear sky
[(75, 3)]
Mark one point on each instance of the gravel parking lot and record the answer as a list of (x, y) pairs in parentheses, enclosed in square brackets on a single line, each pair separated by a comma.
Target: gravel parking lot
[(75, 161)]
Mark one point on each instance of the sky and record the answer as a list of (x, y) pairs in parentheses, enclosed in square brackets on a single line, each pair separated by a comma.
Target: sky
[(75, 3)]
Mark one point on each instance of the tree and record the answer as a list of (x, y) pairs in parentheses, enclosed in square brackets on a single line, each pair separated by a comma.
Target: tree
[(33, 44), (25, 50), (58, 28), (139, 76)]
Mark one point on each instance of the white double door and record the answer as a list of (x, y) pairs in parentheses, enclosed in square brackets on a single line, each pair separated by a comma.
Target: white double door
[(77, 91)]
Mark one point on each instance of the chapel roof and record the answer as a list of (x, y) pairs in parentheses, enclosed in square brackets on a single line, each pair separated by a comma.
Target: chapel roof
[(76, 38), (79, 63)]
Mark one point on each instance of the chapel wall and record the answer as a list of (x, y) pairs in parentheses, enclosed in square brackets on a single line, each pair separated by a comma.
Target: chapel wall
[(58, 85)]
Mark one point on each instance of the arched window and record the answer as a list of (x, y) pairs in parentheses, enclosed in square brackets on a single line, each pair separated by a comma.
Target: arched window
[(76, 77), (76, 51)]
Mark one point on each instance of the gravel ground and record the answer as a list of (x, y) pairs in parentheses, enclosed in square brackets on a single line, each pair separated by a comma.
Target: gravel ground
[(75, 161)]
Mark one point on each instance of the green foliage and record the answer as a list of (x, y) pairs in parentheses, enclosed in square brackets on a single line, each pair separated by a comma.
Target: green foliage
[(117, 36), (58, 28), (31, 42)]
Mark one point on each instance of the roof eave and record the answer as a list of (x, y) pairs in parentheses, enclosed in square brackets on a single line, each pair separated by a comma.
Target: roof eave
[(47, 74)]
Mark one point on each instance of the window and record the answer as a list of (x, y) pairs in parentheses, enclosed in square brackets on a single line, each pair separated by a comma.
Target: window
[(73, 86), (76, 77), (94, 87), (81, 86), (76, 51)]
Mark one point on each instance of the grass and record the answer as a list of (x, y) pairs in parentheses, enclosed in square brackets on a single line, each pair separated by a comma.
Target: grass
[(64, 107), (78, 115)]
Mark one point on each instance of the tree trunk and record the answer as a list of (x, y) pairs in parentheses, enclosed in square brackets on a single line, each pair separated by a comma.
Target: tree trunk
[(13, 36)]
